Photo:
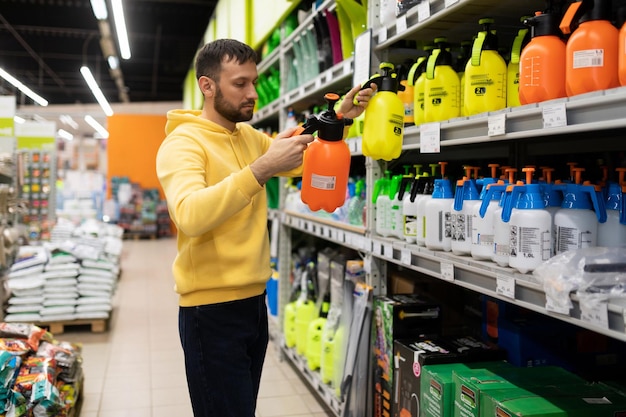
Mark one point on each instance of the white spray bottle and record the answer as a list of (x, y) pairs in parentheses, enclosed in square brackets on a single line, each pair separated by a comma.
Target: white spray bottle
[(530, 226), (612, 233), (409, 207), (482, 217), (576, 222), (382, 203), (438, 216), (501, 231), (466, 199), (429, 184)]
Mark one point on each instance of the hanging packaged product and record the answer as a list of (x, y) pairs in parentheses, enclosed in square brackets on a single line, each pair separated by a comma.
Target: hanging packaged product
[(513, 68), (383, 129), (442, 86), (326, 164), (416, 77), (591, 51), (466, 199), (577, 220), (621, 59), (542, 62), (485, 73), (612, 233), (438, 219), (530, 226)]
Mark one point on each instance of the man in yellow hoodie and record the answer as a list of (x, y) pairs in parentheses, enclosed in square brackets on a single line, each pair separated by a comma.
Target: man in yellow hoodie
[(213, 168)]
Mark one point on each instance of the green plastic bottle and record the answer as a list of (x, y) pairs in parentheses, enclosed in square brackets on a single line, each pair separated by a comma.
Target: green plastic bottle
[(442, 86), (383, 129), (485, 73)]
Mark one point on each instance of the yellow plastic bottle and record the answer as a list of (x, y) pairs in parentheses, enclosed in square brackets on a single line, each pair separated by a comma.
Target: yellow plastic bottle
[(442, 87), (383, 129), (462, 58), (416, 75), (485, 74), (513, 69)]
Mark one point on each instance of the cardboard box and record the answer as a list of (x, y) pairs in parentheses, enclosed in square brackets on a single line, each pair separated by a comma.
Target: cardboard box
[(396, 317), (437, 386), (412, 357)]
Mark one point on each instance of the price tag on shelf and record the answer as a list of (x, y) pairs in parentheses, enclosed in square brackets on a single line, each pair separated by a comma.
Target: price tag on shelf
[(405, 256), (401, 25), (430, 137), (423, 10), (554, 115), (505, 286), (553, 306), (382, 34), (594, 311), (449, 3), (496, 124), (377, 248), (447, 271)]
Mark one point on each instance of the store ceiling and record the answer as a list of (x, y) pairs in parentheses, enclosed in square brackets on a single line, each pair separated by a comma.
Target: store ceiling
[(44, 43)]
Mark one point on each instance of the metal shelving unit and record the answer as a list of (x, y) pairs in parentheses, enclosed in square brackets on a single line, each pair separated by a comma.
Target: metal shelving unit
[(601, 111)]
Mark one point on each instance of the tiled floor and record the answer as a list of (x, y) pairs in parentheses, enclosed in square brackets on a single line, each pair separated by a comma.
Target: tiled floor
[(135, 369)]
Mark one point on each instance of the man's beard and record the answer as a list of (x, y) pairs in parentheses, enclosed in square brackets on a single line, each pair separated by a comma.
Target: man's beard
[(228, 111)]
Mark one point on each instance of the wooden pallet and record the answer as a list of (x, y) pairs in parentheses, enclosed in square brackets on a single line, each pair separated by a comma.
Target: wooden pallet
[(58, 327)]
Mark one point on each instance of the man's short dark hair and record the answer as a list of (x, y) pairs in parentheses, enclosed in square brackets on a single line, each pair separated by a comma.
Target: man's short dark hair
[(210, 57)]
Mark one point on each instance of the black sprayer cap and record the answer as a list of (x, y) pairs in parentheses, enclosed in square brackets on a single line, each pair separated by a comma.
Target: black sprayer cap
[(491, 40), (596, 10), (543, 24), (328, 124)]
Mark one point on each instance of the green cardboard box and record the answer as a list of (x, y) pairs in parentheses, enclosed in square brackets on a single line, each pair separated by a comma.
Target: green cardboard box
[(437, 386)]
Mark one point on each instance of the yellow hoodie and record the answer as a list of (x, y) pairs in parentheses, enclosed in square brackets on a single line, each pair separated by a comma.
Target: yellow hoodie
[(217, 205)]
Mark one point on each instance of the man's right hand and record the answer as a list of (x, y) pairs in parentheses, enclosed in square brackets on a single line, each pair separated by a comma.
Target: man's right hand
[(284, 154)]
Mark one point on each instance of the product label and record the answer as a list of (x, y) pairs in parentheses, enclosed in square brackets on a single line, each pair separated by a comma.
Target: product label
[(530, 243), (588, 58), (410, 226), (323, 182), (570, 238), (460, 225)]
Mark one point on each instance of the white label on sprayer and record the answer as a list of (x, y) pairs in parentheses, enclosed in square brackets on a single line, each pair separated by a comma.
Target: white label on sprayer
[(571, 238), (588, 58), (323, 182)]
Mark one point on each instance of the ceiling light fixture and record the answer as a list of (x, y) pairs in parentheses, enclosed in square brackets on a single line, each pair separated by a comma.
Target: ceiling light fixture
[(64, 134), (114, 63), (67, 119), (95, 89), (120, 28), (99, 8), (97, 126), (18, 84), (18, 119)]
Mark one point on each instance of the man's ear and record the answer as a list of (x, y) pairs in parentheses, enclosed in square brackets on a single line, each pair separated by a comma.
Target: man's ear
[(207, 86)]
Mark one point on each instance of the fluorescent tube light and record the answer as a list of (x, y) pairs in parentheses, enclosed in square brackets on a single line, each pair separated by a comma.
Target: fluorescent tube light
[(99, 8), (65, 134), (114, 63), (95, 89), (18, 84), (120, 28), (97, 126), (67, 119), (18, 119)]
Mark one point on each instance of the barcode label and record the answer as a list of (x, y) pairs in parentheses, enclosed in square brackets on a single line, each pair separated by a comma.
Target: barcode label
[(588, 58)]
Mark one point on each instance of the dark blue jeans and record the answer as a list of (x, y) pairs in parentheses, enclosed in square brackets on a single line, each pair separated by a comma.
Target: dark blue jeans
[(224, 346)]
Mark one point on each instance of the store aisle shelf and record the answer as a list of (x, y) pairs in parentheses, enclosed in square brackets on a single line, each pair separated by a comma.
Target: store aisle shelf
[(483, 277), (600, 110)]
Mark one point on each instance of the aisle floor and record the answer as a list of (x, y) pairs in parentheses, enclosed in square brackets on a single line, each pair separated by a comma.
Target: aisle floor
[(135, 369)]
